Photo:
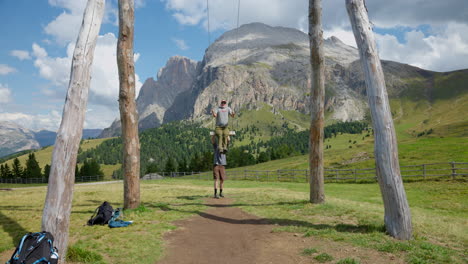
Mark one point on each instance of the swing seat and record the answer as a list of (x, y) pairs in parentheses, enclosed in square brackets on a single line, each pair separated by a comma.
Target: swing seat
[(231, 133)]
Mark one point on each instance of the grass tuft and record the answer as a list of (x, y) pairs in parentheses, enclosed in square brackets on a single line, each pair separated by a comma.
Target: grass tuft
[(76, 253), (324, 257), (309, 251), (348, 261)]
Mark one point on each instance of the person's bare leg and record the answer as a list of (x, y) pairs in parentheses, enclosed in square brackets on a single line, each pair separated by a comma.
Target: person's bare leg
[(221, 182), (215, 184)]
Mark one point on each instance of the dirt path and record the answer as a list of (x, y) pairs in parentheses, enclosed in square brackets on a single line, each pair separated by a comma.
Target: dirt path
[(225, 234)]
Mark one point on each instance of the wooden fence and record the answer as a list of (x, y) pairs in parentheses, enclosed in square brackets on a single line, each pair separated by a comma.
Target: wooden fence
[(450, 170), (44, 180)]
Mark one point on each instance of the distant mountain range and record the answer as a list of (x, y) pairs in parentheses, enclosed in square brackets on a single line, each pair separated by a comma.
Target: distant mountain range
[(14, 138), (266, 76), (259, 65)]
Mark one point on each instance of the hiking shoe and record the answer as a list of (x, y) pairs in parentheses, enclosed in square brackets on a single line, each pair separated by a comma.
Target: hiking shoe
[(216, 196), (221, 195)]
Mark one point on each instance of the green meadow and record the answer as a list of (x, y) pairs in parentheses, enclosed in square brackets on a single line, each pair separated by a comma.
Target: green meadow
[(352, 214)]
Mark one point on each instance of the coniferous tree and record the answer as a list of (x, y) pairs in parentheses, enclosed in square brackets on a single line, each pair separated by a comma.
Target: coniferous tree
[(17, 170), (85, 169), (77, 171), (46, 171), (95, 168), (170, 165), (7, 172), (32, 167), (151, 168), (182, 166), (2, 171)]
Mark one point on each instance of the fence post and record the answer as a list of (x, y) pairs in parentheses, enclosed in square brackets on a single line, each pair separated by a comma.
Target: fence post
[(336, 175), (245, 174), (355, 175), (454, 170), (424, 171)]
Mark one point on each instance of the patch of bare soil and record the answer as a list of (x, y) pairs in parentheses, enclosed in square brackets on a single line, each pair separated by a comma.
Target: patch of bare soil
[(226, 234)]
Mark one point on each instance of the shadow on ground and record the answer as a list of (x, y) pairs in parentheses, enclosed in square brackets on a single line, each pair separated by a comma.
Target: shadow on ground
[(348, 228), (14, 230)]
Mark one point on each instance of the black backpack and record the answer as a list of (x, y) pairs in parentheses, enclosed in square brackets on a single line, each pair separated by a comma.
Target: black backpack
[(35, 248), (102, 215)]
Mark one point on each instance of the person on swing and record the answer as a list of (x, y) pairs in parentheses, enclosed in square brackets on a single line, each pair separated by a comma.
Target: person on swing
[(222, 114), (219, 171)]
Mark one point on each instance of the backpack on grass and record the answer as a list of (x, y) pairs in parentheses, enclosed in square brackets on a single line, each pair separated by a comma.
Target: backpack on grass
[(35, 248), (102, 215), (116, 220)]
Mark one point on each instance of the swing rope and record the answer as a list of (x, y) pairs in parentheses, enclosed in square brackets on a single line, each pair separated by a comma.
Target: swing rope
[(208, 15), (237, 30)]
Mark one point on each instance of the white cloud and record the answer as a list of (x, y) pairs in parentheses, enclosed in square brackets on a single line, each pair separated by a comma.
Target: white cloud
[(140, 3), (56, 70), (5, 94), (20, 54), (346, 36), (50, 121), (104, 89), (38, 51), (65, 27), (445, 51), (5, 69), (180, 43), (223, 14)]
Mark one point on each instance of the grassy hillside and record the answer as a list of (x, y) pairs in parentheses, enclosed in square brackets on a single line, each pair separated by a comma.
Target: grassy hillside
[(44, 155), (351, 217), (430, 120)]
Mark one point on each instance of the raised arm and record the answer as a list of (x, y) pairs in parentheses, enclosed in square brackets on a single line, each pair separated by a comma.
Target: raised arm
[(232, 114)]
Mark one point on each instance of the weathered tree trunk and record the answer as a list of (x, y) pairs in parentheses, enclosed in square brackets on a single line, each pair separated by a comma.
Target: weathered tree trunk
[(128, 112), (397, 212), (57, 207), (317, 194)]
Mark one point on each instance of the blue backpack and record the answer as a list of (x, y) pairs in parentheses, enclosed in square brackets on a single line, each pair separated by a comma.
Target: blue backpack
[(116, 222), (35, 248)]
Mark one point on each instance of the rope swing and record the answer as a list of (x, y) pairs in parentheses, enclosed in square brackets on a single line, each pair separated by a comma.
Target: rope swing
[(231, 133)]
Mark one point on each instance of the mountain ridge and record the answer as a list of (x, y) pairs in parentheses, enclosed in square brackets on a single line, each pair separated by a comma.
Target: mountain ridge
[(258, 64)]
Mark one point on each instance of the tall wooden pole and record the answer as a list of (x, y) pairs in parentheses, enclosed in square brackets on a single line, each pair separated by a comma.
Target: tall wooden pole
[(317, 194), (397, 212), (127, 104), (57, 207)]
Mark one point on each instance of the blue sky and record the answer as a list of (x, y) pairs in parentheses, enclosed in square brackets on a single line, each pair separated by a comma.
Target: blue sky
[(38, 38)]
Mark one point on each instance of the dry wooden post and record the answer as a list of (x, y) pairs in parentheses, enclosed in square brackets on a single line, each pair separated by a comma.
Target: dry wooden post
[(454, 170), (397, 213), (58, 202), (317, 194), (127, 105), (424, 171)]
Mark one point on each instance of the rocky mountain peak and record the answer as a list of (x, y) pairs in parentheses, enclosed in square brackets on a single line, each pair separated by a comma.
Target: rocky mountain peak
[(156, 96), (15, 138), (256, 65)]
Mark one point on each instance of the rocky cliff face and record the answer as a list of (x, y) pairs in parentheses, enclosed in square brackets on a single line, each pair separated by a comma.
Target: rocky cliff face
[(156, 97), (256, 65), (14, 138)]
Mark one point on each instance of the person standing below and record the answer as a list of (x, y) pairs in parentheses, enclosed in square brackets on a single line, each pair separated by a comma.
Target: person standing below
[(219, 171), (222, 119)]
